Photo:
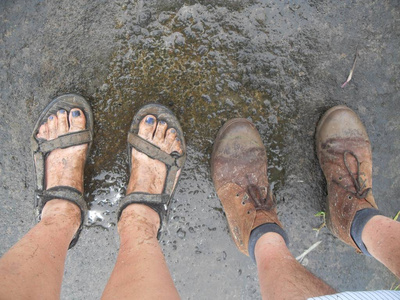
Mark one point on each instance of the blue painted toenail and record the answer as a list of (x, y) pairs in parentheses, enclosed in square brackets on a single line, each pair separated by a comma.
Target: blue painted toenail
[(177, 139), (162, 123), (76, 113), (150, 120), (61, 111), (51, 118), (173, 130)]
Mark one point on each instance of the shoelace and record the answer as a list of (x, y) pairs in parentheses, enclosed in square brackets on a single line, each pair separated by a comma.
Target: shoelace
[(359, 184), (255, 195)]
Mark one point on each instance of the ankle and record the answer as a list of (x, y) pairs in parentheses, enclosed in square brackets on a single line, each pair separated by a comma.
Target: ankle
[(270, 245), (263, 232), (140, 218), (62, 213), (376, 226), (360, 221)]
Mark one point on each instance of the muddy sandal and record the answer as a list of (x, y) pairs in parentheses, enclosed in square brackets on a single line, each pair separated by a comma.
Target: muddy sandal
[(41, 149), (174, 161)]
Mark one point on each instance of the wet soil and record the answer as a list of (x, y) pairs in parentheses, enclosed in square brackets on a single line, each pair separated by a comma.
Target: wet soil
[(280, 64)]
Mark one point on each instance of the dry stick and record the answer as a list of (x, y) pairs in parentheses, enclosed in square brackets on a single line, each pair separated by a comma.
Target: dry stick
[(351, 71), (301, 256)]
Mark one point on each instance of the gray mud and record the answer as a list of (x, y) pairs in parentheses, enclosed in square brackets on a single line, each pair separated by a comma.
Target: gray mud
[(280, 64)]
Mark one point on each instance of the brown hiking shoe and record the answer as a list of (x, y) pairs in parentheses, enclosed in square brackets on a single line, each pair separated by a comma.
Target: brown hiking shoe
[(344, 153), (239, 173)]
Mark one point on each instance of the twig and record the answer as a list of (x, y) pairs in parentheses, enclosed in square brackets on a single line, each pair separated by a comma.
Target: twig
[(352, 70), (301, 256)]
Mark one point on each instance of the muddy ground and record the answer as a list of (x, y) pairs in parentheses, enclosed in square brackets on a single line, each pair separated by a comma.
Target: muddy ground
[(279, 63)]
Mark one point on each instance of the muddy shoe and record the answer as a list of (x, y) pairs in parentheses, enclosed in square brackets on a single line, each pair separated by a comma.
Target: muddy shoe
[(239, 173), (344, 153)]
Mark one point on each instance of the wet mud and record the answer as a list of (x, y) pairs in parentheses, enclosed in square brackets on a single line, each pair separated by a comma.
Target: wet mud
[(280, 64)]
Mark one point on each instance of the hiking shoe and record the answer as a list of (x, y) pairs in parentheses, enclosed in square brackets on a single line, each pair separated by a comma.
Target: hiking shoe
[(344, 153), (239, 173)]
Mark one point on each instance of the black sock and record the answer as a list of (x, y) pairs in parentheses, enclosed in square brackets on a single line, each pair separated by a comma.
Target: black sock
[(257, 232), (360, 219)]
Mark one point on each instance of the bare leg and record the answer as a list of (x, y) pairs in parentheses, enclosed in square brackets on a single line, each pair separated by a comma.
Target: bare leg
[(34, 267), (141, 271), (281, 276), (381, 237)]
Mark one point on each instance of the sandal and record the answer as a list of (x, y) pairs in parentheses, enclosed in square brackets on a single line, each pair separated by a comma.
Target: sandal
[(41, 149), (174, 161)]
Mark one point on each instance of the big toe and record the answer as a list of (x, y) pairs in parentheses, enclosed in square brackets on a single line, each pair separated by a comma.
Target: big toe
[(77, 120), (147, 127)]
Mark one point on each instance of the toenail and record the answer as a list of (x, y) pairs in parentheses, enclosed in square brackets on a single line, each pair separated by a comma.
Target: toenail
[(150, 120), (162, 123), (61, 111), (76, 113), (177, 139), (51, 118), (173, 130)]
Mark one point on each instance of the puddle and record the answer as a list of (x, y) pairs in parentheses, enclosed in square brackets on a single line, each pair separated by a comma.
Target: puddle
[(207, 68)]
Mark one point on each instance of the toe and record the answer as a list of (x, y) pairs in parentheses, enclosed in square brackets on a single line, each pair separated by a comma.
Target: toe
[(147, 127), (43, 132), (169, 139), (159, 135), (52, 126), (62, 123), (77, 120), (177, 146)]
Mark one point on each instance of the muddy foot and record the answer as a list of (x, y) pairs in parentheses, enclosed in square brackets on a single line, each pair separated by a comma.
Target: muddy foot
[(64, 167), (148, 175)]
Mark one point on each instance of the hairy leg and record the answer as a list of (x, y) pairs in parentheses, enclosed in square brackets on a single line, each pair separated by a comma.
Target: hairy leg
[(281, 275), (380, 236), (33, 268), (141, 271)]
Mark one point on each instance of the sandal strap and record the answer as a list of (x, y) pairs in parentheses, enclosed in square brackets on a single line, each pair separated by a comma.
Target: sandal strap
[(65, 193), (42, 147), (170, 179), (172, 161), (63, 141), (153, 151), (150, 149), (158, 202)]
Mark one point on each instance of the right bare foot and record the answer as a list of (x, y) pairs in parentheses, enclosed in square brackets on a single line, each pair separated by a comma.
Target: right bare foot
[(64, 167), (148, 175)]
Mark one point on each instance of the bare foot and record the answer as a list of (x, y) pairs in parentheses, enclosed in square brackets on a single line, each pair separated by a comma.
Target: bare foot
[(64, 167), (147, 174)]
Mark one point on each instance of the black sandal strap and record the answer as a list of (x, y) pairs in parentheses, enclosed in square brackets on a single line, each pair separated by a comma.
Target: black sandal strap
[(63, 141), (150, 149), (158, 202), (170, 179), (65, 193)]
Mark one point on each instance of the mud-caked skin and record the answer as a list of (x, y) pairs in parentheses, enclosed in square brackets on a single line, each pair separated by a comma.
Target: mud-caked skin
[(344, 153), (239, 173)]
